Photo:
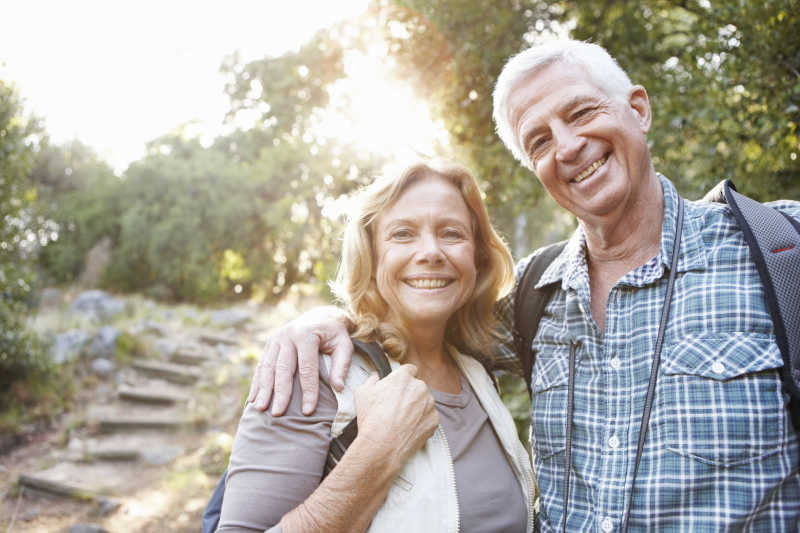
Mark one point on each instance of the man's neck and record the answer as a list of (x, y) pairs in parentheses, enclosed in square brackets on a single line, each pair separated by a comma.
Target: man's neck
[(622, 242)]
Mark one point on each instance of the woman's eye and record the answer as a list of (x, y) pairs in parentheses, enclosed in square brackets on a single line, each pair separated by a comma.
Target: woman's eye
[(401, 234), (453, 234)]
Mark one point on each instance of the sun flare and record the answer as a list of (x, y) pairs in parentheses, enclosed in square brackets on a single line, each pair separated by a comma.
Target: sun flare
[(373, 110)]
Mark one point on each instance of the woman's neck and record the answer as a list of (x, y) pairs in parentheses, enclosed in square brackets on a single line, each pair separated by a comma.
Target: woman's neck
[(427, 351)]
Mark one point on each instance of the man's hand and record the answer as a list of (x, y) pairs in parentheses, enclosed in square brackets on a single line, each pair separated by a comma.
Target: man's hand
[(321, 330), (396, 414)]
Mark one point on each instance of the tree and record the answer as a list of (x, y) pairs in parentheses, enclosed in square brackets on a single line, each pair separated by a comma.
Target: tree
[(20, 353), (78, 204), (723, 78)]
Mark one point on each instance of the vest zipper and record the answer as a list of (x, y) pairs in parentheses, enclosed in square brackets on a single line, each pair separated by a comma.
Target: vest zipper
[(451, 475)]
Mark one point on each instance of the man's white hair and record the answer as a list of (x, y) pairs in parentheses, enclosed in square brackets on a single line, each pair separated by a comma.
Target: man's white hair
[(601, 68)]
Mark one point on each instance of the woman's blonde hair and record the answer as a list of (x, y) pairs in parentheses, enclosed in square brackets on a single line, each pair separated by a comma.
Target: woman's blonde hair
[(473, 327)]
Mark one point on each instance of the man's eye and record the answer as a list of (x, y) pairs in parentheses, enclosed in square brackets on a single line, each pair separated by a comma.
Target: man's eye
[(536, 146), (581, 113)]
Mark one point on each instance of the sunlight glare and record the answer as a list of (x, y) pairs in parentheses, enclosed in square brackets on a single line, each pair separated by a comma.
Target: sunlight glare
[(379, 114)]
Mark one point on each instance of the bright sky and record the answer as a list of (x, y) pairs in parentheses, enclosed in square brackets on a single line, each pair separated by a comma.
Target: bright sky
[(116, 74)]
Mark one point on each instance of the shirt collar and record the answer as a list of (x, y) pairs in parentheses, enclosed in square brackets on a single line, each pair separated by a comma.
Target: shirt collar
[(571, 265)]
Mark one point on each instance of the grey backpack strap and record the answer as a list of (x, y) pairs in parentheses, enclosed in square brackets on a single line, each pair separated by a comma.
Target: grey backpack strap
[(774, 241)]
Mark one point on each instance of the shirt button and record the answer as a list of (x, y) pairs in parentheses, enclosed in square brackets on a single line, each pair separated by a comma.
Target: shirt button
[(539, 381), (607, 525), (615, 363), (613, 442), (718, 367)]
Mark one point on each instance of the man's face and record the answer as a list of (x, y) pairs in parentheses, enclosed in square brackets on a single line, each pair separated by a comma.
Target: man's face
[(588, 149)]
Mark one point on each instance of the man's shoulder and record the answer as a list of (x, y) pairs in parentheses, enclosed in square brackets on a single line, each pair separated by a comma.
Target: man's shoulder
[(717, 223), (787, 207)]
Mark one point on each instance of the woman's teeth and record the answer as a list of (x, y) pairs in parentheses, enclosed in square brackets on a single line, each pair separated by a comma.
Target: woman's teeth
[(427, 283)]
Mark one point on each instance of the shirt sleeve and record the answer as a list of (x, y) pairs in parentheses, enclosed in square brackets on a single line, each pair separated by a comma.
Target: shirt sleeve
[(276, 462)]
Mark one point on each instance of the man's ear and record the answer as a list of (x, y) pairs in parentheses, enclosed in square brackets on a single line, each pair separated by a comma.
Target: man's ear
[(640, 105)]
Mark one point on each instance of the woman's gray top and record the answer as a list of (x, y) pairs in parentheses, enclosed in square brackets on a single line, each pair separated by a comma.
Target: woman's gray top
[(276, 463)]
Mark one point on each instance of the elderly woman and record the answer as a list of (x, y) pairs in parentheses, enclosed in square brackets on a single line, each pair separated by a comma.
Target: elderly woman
[(421, 269)]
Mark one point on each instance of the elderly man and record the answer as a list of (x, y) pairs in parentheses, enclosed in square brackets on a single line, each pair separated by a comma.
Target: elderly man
[(719, 452)]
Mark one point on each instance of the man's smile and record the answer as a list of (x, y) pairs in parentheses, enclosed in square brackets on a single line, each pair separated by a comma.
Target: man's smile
[(588, 171)]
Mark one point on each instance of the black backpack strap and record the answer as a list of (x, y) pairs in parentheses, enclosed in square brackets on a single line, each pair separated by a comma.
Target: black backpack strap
[(774, 241), (214, 506), (340, 444), (529, 304)]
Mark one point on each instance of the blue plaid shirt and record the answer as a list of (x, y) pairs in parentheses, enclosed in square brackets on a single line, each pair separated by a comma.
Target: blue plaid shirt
[(721, 453)]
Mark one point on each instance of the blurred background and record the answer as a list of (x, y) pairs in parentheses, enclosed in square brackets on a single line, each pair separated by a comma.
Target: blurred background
[(179, 160)]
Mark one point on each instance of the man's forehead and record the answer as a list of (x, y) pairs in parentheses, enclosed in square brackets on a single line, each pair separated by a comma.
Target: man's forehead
[(562, 83)]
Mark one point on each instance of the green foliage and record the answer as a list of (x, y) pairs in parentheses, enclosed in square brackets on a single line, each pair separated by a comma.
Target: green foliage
[(723, 78), (241, 217), (78, 205), (21, 355), (514, 394)]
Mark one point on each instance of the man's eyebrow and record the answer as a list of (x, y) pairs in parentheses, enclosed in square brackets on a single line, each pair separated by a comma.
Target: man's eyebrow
[(566, 106), (577, 100)]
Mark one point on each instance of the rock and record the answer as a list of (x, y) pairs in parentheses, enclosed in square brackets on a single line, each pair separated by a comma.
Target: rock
[(97, 260), (166, 347), (68, 346), (103, 367), (230, 318), (106, 506), (149, 326), (50, 298), (86, 528), (99, 305), (105, 343), (213, 338), (161, 456)]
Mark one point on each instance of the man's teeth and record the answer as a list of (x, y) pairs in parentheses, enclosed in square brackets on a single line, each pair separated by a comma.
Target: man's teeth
[(428, 283), (586, 173)]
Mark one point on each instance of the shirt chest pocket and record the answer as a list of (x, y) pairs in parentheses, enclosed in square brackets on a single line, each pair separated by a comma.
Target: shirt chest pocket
[(720, 399), (549, 404)]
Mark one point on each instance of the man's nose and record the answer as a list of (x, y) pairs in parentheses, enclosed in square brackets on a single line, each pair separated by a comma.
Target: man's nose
[(568, 144)]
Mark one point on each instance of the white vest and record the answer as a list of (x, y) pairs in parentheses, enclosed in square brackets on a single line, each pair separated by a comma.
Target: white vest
[(423, 498)]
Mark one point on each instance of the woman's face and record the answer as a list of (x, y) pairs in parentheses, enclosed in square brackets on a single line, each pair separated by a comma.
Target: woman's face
[(425, 251)]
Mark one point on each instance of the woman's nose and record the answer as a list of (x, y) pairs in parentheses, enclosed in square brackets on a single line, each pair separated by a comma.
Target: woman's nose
[(430, 249)]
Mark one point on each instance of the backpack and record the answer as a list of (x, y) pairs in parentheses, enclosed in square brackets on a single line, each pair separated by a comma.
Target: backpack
[(338, 445), (774, 242)]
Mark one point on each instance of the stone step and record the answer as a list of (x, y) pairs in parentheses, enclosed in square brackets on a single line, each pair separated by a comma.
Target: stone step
[(148, 447), (113, 454), (190, 355), (96, 481), (115, 423), (66, 489), (150, 396), (169, 371), (214, 338)]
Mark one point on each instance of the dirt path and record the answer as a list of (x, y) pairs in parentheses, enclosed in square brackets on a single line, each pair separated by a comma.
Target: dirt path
[(143, 452)]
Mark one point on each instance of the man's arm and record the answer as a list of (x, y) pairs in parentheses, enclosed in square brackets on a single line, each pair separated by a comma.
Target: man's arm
[(299, 343), (396, 415)]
